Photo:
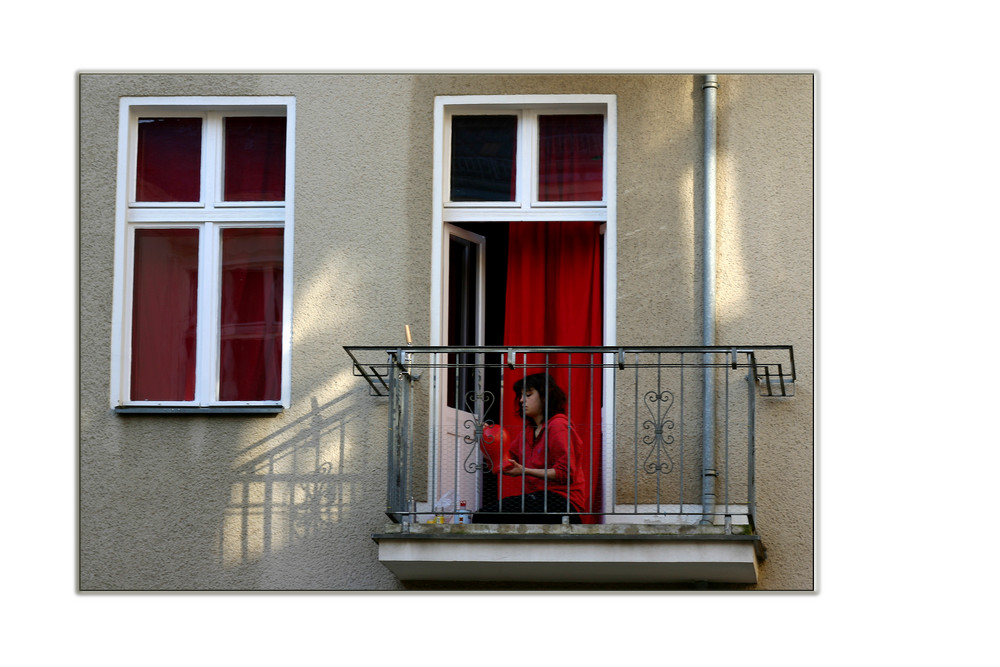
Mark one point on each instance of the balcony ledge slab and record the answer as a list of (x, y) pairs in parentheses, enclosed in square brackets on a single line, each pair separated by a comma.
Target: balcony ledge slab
[(615, 553)]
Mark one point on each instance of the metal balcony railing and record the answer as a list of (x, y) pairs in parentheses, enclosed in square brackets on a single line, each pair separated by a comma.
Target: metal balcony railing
[(660, 435)]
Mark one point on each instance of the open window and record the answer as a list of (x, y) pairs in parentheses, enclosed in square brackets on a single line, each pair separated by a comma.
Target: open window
[(524, 229)]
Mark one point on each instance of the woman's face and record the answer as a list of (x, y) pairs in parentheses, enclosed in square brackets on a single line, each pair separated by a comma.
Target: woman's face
[(531, 404)]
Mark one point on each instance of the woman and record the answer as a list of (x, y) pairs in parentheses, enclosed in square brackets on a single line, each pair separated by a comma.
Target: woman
[(547, 458)]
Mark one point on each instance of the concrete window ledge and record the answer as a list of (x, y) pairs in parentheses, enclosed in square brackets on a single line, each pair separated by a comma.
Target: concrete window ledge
[(568, 554)]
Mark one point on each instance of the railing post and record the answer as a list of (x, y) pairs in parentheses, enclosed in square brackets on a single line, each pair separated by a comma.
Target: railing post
[(708, 471), (394, 482), (400, 416)]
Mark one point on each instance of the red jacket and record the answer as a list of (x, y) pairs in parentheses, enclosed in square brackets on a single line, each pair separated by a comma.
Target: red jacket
[(567, 459)]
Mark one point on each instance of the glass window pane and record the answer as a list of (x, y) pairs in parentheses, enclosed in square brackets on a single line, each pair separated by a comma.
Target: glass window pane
[(483, 149), (571, 158), (164, 314), (168, 164), (255, 159), (250, 342), (462, 271)]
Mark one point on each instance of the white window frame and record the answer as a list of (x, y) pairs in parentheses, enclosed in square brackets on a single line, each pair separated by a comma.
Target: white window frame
[(528, 107), (210, 216)]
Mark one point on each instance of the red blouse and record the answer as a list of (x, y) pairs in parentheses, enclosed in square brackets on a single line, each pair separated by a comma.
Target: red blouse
[(568, 460)]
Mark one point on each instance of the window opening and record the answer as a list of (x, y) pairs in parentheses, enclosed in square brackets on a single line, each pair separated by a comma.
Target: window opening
[(513, 167)]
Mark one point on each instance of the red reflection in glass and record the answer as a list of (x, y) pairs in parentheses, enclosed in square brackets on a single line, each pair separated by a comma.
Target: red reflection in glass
[(164, 314), (571, 158), (250, 342), (255, 159), (168, 163)]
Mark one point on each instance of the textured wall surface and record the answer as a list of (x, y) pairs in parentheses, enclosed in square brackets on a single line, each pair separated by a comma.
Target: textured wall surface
[(765, 293), (290, 501)]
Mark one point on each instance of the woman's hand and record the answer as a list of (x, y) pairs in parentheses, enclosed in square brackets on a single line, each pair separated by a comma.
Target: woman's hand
[(513, 468)]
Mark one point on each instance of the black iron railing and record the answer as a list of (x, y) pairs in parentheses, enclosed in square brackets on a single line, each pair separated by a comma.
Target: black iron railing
[(641, 446)]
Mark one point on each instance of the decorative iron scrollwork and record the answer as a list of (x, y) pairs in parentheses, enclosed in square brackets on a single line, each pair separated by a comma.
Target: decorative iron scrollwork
[(478, 404), (660, 424)]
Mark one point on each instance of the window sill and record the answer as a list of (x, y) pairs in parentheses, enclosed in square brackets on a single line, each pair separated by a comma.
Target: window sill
[(260, 410)]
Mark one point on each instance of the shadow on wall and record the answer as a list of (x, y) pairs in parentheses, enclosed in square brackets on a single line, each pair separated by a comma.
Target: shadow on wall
[(292, 487)]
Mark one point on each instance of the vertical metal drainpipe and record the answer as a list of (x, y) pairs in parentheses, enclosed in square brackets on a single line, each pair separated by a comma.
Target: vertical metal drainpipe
[(708, 472)]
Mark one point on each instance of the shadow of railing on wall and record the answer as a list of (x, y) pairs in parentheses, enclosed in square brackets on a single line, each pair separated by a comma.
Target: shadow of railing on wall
[(290, 487)]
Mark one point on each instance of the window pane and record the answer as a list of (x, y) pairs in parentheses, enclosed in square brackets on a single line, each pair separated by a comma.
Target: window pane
[(164, 314), (461, 317), (483, 149), (255, 159), (168, 165), (571, 158), (250, 343)]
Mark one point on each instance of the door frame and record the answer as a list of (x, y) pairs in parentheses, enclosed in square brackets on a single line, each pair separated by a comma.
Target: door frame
[(456, 420), (608, 212)]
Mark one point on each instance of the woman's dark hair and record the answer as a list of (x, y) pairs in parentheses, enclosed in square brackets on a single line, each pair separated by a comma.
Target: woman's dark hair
[(553, 398)]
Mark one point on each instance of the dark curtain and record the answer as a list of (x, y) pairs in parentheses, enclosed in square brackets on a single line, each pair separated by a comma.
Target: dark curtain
[(168, 160), (251, 304), (255, 159), (164, 315), (571, 158)]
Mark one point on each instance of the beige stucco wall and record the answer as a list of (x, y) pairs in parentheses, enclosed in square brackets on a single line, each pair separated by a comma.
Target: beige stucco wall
[(290, 502), (765, 292)]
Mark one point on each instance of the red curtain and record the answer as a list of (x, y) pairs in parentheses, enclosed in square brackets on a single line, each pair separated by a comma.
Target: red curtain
[(255, 159), (250, 340), (571, 158), (164, 314), (554, 298), (168, 161)]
